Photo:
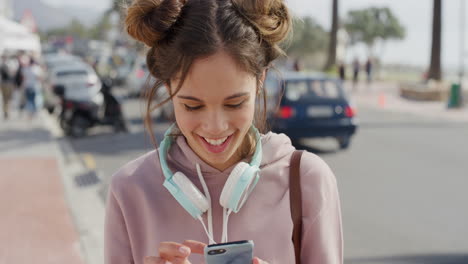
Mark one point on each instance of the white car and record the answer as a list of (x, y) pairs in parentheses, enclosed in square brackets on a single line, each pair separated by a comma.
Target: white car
[(56, 60), (79, 80), (51, 62)]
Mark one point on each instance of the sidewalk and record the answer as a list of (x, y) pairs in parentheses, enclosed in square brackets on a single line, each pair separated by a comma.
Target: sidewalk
[(40, 222), (385, 96)]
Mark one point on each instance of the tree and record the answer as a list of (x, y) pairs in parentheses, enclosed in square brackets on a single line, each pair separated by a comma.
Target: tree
[(119, 6), (373, 24), (101, 28), (307, 37), (434, 68), (74, 28), (332, 43)]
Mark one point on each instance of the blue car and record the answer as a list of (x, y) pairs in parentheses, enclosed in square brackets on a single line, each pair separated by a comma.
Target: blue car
[(310, 105)]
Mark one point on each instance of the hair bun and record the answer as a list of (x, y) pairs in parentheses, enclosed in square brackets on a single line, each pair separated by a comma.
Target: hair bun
[(149, 20), (270, 17)]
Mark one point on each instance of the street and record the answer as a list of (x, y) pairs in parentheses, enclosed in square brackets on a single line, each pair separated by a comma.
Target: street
[(402, 182)]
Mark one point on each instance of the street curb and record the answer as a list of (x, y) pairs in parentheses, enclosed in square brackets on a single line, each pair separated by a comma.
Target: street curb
[(86, 207)]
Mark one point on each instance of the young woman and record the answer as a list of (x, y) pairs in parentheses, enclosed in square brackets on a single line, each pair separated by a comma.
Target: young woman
[(211, 57)]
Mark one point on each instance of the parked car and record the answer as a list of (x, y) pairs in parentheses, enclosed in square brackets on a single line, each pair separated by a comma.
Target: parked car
[(57, 60), (53, 61), (310, 105), (79, 80)]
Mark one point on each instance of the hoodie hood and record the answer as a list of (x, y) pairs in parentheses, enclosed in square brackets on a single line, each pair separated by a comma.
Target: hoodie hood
[(274, 147)]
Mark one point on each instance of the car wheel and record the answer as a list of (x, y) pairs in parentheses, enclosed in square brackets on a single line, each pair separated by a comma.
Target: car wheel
[(344, 141)]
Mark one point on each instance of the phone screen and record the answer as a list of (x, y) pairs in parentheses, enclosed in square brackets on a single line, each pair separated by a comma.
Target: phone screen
[(237, 252)]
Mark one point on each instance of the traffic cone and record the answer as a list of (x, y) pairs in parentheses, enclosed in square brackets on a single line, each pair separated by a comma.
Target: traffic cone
[(382, 100)]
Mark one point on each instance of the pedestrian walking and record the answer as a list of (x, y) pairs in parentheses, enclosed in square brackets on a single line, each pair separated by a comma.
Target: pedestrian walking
[(342, 71), (297, 65), (6, 85), (369, 70), (356, 69), (32, 74), (19, 89), (212, 58)]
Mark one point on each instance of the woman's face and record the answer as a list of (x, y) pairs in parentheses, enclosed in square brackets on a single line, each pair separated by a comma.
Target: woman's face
[(214, 108)]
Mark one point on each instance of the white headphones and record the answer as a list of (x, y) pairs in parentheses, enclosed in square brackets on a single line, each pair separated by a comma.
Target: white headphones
[(238, 187)]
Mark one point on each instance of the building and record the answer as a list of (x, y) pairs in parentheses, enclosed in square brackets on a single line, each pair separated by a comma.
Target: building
[(6, 8)]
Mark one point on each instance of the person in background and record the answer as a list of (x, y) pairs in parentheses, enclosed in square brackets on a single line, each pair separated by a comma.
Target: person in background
[(356, 69), (297, 65), (369, 70), (7, 83), (342, 71), (32, 74), (19, 79)]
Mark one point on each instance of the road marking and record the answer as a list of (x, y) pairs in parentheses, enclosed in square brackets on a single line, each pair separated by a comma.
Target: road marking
[(89, 161)]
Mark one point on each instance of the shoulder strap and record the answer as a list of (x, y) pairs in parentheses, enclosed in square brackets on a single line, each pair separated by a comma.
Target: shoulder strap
[(295, 197)]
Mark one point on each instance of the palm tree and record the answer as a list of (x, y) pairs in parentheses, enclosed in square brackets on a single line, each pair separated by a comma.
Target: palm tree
[(118, 6), (332, 44), (435, 69)]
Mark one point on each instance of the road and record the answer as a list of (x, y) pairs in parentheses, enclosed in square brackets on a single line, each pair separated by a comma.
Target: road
[(403, 182)]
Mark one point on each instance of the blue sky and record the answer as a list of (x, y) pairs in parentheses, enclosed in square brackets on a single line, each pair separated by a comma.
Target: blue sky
[(415, 15)]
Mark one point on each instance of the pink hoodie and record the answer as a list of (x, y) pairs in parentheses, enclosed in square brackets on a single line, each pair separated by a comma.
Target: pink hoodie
[(141, 213)]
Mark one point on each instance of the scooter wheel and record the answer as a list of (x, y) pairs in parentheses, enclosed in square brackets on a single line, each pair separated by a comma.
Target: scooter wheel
[(120, 126), (78, 126)]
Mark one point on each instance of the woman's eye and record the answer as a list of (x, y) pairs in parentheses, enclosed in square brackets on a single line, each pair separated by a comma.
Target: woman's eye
[(192, 108), (233, 106)]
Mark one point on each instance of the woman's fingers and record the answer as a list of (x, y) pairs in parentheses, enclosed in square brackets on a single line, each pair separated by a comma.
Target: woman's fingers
[(171, 250), (195, 246), (176, 253)]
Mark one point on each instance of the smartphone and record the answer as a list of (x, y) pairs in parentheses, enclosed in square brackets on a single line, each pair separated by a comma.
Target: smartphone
[(237, 252)]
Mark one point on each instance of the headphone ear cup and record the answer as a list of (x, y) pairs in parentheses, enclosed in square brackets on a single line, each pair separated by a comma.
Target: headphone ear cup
[(229, 186), (191, 191)]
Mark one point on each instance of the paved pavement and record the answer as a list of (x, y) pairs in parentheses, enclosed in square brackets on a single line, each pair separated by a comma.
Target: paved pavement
[(46, 216), (385, 95), (51, 208)]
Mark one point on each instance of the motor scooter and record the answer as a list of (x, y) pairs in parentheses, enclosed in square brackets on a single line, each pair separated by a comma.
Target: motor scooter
[(103, 108)]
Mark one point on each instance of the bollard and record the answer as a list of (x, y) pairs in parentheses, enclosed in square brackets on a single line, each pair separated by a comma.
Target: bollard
[(382, 100), (454, 97)]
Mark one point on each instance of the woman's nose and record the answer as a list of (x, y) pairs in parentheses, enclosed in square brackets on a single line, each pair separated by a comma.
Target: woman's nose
[(215, 123)]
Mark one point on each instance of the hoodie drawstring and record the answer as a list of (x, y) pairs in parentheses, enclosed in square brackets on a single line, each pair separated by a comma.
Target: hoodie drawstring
[(226, 213)]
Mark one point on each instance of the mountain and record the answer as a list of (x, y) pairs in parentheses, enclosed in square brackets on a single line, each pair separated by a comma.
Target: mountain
[(49, 17)]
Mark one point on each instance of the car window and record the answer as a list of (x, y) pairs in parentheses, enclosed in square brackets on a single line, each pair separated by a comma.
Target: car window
[(272, 85), (296, 89), (325, 89), (72, 73)]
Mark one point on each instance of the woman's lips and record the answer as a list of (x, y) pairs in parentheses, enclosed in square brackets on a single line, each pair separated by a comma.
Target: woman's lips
[(213, 148)]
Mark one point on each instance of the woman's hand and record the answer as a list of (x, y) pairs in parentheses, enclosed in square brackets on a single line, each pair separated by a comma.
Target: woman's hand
[(176, 253), (258, 261)]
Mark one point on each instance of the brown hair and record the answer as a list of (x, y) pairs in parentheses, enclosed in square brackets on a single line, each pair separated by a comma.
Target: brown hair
[(181, 31)]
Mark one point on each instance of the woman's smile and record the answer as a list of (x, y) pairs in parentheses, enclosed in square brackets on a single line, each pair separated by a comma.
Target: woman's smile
[(216, 145)]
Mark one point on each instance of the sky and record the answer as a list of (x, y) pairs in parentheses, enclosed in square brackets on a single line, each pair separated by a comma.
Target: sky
[(414, 15)]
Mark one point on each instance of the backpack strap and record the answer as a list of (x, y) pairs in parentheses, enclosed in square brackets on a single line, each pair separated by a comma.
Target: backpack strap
[(295, 197)]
